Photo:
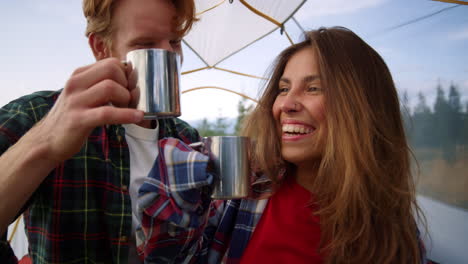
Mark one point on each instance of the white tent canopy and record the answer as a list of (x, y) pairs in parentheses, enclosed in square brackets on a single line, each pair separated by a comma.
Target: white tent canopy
[(225, 27)]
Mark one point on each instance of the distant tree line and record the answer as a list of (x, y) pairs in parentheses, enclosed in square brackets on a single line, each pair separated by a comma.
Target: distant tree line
[(443, 126), (221, 127)]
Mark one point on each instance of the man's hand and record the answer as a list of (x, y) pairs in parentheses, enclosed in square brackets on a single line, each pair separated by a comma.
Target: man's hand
[(94, 95)]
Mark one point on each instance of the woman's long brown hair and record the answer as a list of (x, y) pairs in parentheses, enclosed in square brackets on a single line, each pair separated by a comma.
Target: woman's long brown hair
[(364, 188)]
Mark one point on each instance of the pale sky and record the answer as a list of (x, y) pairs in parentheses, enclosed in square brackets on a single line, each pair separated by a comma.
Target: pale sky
[(43, 42)]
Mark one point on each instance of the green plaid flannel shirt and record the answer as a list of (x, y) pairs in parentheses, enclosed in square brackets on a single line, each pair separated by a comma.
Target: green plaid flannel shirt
[(81, 213)]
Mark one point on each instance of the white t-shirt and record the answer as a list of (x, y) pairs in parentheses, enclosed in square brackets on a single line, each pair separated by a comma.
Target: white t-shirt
[(142, 144)]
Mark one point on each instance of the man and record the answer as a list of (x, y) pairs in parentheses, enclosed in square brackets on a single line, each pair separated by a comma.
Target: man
[(66, 161)]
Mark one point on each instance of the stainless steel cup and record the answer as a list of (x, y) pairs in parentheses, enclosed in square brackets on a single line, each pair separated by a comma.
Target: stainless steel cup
[(155, 75), (230, 156)]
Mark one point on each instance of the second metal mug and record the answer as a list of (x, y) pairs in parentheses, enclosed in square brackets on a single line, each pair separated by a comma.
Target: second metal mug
[(156, 77), (230, 157)]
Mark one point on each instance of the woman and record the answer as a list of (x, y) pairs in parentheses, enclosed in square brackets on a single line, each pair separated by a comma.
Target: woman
[(330, 139)]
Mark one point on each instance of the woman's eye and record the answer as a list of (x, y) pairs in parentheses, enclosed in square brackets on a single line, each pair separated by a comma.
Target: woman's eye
[(314, 89), (283, 90)]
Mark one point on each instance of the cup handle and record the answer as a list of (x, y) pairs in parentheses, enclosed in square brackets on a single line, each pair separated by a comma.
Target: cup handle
[(202, 147), (198, 146)]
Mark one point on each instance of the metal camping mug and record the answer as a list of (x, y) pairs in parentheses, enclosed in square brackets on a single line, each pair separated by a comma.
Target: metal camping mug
[(230, 157), (155, 75)]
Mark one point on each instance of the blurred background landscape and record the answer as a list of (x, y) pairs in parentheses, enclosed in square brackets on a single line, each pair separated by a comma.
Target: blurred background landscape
[(437, 133)]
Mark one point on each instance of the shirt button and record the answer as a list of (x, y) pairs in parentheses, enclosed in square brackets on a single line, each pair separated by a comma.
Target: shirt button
[(123, 239), (124, 188)]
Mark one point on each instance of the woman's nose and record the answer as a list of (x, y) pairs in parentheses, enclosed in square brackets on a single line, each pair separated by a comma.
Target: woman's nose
[(290, 105)]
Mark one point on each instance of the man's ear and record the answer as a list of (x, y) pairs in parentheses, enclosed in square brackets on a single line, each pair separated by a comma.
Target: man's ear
[(99, 47)]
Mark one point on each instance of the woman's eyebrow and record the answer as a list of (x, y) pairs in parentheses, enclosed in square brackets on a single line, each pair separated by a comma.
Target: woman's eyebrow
[(311, 78), (308, 78)]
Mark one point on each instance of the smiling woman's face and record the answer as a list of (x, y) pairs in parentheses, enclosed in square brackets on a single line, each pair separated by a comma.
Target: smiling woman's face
[(299, 109)]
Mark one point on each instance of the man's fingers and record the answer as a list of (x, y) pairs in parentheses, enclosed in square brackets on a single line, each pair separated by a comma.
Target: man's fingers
[(107, 91), (86, 77), (110, 115), (82, 69)]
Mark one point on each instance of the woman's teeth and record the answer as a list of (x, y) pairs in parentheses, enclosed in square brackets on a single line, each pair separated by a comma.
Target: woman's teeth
[(296, 129)]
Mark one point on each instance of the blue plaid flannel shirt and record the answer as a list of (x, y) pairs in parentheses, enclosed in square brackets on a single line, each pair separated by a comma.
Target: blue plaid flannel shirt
[(179, 221)]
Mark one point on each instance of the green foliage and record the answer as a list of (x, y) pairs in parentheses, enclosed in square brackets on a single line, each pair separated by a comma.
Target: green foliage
[(218, 128), (445, 128), (221, 126), (421, 123), (242, 111)]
